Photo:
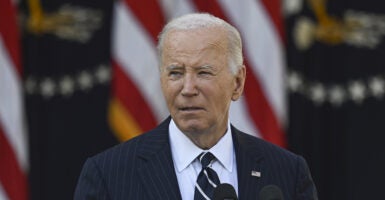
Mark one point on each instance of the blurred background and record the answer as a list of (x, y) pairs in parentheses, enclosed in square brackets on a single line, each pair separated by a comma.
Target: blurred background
[(77, 77)]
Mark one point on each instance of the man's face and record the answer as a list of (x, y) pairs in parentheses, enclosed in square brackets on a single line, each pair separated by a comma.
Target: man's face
[(196, 81)]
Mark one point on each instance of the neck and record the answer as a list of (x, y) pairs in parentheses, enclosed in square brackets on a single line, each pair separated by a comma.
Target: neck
[(206, 140)]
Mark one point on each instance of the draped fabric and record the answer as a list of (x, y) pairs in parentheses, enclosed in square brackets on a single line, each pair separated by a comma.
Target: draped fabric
[(336, 73), (13, 138), (66, 83)]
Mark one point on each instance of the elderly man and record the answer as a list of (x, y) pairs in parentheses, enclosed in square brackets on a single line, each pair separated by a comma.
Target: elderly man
[(189, 154)]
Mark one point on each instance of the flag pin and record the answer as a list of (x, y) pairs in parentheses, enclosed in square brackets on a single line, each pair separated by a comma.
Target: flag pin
[(255, 173)]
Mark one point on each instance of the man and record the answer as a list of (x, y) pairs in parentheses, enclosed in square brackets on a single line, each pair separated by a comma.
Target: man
[(194, 150)]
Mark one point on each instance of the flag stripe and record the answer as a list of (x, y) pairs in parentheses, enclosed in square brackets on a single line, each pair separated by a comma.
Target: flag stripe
[(12, 178), (132, 84), (124, 125), (267, 65), (259, 108), (8, 30), (13, 147), (149, 14), (11, 110), (135, 52), (261, 112), (2, 193), (275, 12), (131, 99), (259, 34)]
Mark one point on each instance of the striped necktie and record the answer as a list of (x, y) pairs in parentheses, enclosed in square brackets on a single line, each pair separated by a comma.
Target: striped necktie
[(207, 179)]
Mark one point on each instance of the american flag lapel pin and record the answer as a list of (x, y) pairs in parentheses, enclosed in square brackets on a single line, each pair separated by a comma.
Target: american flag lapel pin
[(255, 173)]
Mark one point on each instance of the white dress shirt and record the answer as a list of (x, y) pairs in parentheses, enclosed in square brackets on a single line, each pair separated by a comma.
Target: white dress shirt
[(187, 167)]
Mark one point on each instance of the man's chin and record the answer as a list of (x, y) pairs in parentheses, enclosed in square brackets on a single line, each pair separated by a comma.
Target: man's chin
[(191, 127)]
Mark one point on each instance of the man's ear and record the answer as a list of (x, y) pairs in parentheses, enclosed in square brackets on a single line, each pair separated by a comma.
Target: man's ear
[(239, 83)]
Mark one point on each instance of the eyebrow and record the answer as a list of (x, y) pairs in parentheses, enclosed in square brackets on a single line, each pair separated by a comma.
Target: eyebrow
[(178, 67), (173, 67), (205, 67)]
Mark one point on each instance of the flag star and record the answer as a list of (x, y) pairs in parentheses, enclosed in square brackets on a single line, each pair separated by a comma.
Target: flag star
[(103, 74), (337, 95), (295, 82), (357, 91), (30, 85), (47, 88), (377, 86), (318, 93), (66, 86), (85, 80)]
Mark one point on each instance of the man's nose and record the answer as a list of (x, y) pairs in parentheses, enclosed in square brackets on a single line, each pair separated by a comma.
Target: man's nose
[(190, 86)]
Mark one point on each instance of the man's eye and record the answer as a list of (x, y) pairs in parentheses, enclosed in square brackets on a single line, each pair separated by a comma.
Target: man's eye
[(175, 73), (205, 73)]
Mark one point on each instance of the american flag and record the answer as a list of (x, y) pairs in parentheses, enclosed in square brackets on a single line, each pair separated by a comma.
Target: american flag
[(13, 143), (137, 103)]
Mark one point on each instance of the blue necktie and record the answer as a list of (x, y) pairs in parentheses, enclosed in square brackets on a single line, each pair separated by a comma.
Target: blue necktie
[(207, 179)]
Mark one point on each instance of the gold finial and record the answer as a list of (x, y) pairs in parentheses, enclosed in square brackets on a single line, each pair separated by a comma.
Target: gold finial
[(68, 22), (329, 29), (35, 20)]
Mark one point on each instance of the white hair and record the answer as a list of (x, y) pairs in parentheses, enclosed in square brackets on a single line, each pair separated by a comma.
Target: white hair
[(205, 20)]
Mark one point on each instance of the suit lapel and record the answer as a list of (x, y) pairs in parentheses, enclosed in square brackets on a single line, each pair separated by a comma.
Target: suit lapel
[(249, 165), (156, 167)]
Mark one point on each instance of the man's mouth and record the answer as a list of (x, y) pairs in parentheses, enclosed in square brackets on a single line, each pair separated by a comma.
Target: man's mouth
[(192, 108)]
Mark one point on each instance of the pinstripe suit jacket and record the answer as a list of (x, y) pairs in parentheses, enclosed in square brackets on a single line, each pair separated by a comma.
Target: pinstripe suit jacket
[(142, 168)]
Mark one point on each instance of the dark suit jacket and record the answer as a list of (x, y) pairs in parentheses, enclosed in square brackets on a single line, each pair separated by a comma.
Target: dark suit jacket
[(142, 168)]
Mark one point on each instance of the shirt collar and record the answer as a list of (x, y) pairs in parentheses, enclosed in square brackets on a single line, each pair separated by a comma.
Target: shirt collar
[(184, 151)]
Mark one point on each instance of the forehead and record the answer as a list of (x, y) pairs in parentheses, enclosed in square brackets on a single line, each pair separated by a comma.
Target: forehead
[(195, 39), (195, 46)]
